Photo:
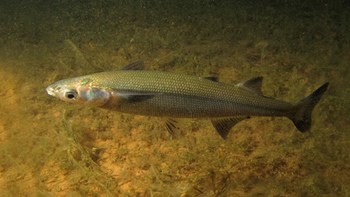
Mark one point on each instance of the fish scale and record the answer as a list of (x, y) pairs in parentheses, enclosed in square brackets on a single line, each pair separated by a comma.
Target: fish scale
[(181, 84)]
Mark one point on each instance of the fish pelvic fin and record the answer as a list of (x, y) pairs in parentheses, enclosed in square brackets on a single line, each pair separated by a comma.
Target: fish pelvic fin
[(172, 126), (302, 117), (224, 125)]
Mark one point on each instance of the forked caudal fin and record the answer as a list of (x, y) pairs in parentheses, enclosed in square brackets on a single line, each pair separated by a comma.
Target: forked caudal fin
[(302, 117)]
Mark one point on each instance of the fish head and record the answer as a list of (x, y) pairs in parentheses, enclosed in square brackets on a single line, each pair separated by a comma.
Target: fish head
[(80, 90)]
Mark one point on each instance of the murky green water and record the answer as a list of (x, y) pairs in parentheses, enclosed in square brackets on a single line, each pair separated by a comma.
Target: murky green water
[(52, 148)]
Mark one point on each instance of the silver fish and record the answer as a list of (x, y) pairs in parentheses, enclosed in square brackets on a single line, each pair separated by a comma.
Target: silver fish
[(164, 94)]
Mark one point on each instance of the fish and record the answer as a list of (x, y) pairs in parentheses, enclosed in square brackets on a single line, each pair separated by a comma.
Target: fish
[(134, 90)]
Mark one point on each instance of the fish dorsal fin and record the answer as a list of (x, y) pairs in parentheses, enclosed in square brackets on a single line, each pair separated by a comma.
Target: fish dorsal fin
[(252, 85), (138, 65), (224, 125), (211, 78)]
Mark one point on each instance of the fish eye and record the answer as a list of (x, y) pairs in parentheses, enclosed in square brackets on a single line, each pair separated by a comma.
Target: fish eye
[(71, 94)]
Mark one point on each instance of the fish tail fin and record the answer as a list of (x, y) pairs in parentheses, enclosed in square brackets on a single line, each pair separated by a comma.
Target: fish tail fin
[(302, 117)]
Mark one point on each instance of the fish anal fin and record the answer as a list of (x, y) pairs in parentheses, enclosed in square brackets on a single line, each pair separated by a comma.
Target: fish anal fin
[(224, 125), (138, 65), (253, 85)]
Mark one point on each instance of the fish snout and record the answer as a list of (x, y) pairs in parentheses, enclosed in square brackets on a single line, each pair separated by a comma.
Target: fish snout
[(50, 91)]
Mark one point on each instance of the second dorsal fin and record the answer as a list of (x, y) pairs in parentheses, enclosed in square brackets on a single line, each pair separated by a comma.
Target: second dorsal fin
[(253, 85)]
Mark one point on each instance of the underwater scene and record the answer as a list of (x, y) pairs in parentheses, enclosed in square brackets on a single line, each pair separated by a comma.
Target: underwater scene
[(49, 147)]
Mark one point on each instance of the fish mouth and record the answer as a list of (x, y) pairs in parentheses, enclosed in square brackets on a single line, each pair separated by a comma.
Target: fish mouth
[(50, 91)]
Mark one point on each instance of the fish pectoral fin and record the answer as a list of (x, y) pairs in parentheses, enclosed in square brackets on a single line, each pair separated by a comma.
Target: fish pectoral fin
[(171, 126), (138, 65), (223, 126), (252, 85), (135, 96)]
